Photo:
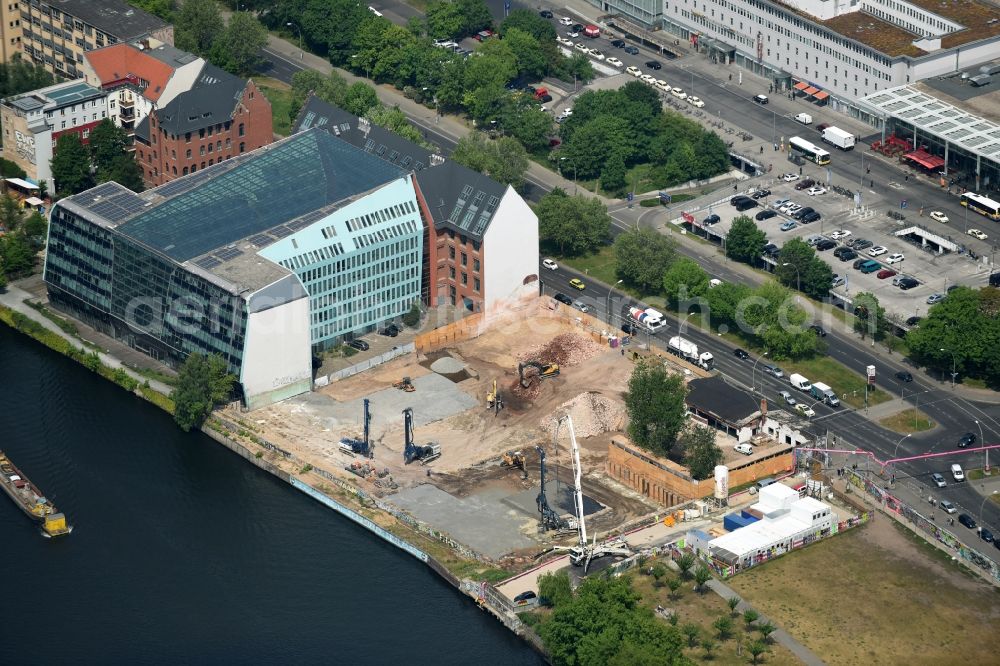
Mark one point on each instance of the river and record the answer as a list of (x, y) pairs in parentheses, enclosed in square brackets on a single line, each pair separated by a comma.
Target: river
[(183, 552)]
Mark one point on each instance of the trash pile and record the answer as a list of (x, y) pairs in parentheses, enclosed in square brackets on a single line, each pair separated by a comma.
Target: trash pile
[(380, 477), (564, 349), (592, 414)]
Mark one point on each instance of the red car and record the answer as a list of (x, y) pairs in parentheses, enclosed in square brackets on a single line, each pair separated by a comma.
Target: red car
[(482, 35), (592, 31), (885, 273)]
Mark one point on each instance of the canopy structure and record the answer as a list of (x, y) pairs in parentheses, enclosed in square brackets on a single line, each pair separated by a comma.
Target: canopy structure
[(811, 91), (23, 184), (821, 95), (801, 85), (925, 159)]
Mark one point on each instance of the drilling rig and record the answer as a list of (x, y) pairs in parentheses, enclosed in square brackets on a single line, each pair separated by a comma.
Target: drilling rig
[(549, 519), (363, 447), (411, 451)]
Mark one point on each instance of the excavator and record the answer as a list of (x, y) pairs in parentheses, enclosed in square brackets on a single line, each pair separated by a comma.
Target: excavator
[(514, 459), (545, 370), (412, 451), (405, 384), (494, 400)]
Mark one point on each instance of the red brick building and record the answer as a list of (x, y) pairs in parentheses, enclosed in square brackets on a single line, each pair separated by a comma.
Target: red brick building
[(220, 116)]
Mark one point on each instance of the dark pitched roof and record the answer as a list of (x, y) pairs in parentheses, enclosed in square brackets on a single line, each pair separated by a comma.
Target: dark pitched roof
[(712, 395), (460, 198), (248, 195), (114, 17), (210, 101), (142, 130), (363, 134)]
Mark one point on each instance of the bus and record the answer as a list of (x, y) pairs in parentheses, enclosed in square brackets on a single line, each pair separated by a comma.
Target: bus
[(809, 151), (982, 205)]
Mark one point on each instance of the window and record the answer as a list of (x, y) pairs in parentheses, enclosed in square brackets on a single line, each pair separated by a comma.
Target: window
[(451, 253), (475, 265), (465, 259), (201, 150), (242, 130), (465, 278), (242, 146), (188, 154), (475, 284), (451, 272)]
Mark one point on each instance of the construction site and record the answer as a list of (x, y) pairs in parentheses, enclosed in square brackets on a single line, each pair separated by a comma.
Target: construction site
[(456, 436)]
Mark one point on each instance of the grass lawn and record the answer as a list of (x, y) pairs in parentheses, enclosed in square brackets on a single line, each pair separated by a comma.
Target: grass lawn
[(877, 595), (279, 94), (974, 383), (703, 609), (841, 379), (601, 266), (908, 420)]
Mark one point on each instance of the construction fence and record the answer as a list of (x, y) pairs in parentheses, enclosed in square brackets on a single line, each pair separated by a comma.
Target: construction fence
[(450, 334), (367, 364)]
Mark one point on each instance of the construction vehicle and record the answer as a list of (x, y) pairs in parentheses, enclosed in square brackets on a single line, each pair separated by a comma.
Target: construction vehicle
[(650, 319), (514, 459), (364, 446), (549, 520), (689, 351), (411, 451), (583, 553), (494, 400), (545, 370), (405, 384)]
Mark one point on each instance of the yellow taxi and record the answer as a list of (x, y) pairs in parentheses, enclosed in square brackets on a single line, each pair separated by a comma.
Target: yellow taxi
[(577, 283)]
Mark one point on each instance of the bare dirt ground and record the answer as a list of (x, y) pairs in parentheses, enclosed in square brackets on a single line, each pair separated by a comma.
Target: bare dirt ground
[(877, 595)]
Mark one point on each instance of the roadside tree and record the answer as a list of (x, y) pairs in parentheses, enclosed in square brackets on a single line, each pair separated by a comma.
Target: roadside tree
[(683, 280), (745, 240), (202, 383), (869, 316), (554, 589), (237, 49), (655, 405), (641, 255), (197, 26), (529, 22), (572, 225)]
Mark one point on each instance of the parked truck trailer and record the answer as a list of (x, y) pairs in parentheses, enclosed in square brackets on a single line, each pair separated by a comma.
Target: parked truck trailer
[(689, 351)]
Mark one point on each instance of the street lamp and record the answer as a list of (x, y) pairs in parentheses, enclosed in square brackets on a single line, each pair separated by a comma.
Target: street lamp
[(983, 503), (894, 453), (798, 281), (297, 29), (953, 373), (753, 379), (986, 468), (366, 66), (607, 309), (573, 163)]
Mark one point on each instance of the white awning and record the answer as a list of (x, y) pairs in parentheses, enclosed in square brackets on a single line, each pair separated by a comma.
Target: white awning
[(20, 182), (34, 201)]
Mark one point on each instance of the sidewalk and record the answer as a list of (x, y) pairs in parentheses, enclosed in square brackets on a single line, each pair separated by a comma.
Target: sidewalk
[(14, 297)]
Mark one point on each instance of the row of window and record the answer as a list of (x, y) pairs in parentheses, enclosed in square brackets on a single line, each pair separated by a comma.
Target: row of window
[(327, 252), (465, 259), (340, 327), (376, 217), (364, 306), (906, 9), (465, 277), (382, 235)]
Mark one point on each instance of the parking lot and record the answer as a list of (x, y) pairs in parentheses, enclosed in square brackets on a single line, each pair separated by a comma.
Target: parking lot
[(843, 224)]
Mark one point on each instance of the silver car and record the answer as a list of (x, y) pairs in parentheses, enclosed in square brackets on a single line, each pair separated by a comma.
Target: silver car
[(787, 397), (938, 480), (774, 371)]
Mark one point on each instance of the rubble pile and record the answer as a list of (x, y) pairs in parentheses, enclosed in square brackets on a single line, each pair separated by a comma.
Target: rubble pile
[(592, 414), (564, 349)]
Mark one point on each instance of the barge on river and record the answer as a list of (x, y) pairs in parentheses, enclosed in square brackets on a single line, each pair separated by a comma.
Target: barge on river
[(30, 499)]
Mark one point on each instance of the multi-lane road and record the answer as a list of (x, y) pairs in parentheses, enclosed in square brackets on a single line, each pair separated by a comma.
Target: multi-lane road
[(954, 414)]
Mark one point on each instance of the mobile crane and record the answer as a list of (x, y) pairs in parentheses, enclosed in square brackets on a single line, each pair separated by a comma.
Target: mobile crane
[(411, 451), (364, 447)]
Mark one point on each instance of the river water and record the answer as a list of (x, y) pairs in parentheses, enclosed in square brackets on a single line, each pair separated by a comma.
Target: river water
[(182, 552)]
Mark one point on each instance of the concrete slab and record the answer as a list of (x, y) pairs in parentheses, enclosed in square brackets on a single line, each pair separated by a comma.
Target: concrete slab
[(559, 496), (479, 521)]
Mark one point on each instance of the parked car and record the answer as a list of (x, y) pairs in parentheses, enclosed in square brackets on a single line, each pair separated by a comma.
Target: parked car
[(564, 41), (885, 273), (525, 596), (760, 194), (861, 244), (802, 212), (805, 184), (788, 226), (545, 13), (774, 371), (741, 354), (837, 281), (904, 376), (908, 283), (390, 331), (947, 506), (938, 216), (957, 473), (844, 253), (968, 439), (976, 233), (577, 283), (744, 448), (938, 480), (913, 321), (779, 203), (653, 64), (760, 99), (565, 20), (765, 215), (840, 233), (789, 177), (596, 54), (563, 298), (894, 258), (695, 101), (825, 244), (811, 217), (818, 330), (986, 535), (581, 306), (816, 189), (615, 62), (877, 251), (634, 71), (360, 345), (967, 520), (935, 298), (711, 219), (630, 329)]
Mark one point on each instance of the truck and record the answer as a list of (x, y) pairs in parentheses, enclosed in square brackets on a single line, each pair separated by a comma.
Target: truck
[(649, 318), (804, 118), (839, 138), (821, 391), (799, 382), (689, 351)]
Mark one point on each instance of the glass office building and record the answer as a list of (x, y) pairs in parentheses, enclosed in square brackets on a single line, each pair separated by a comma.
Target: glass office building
[(260, 259)]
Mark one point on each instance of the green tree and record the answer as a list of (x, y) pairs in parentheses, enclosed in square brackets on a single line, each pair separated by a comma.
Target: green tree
[(394, 120), (412, 317), (613, 174), (528, 124), (475, 16), (793, 261), (674, 585), (107, 143), (35, 228), (332, 89), (708, 645), (202, 382), (701, 576), (327, 26), (17, 257), (554, 589), (162, 8), (869, 316), (684, 563), (655, 405), (756, 649), (963, 332), (733, 602), (723, 626), (71, 165), (641, 257), (124, 171), (745, 241), (749, 617), (444, 20), (683, 280), (691, 632), (817, 279), (11, 214), (198, 26), (575, 225), (766, 629), (529, 22), (360, 98), (659, 571), (590, 142), (9, 169), (504, 160), (701, 453), (237, 49), (18, 76), (529, 55)]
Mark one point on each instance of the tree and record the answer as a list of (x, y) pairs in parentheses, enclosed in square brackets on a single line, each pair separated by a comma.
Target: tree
[(701, 576), (202, 383), (733, 602), (124, 171), (529, 22), (959, 332), (684, 563), (793, 260), (107, 143), (528, 124), (659, 572), (394, 120), (756, 648), (674, 585), (683, 280), (237, 49), (360, 98), (766, 629), (691, 632), (655, 405), (9, 169), (575, 225), (17, 257), (198, 26), (614, 173), (641, 256), (444, 20), (529, 55), (71, 165), (817, 279), (869, 316), (723, 625), (745, 241), (708, 645), (475, 16), (701, 453), (332, 89), (34, 229), (503, 160), (11, 214), (18, 76), (554, 589), (726, 300), (749, 617)]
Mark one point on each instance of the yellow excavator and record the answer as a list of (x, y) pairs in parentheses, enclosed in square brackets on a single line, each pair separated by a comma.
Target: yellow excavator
[(405, 384), (514, 459), (544, 370)]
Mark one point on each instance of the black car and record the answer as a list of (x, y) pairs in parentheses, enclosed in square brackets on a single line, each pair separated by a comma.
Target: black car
[(845, 253), (632, 50), (857, 263), (545, 99), (360, 345), (814, 216), (805, 184), (390, 331), (825, 244), (630, 328), (760, 194), (904, 376), (908, 283), (968, 439), (986, 535), (545, 13), (711, 219), (764, 215), (818, 330), (861, 244), (772, 250), (618, 43), (967, 520), (738, 198), (577, 27), (653, 64), (563, 298), (524, 596), (802, 212), (913, 321), (741, 354), (746, 204)]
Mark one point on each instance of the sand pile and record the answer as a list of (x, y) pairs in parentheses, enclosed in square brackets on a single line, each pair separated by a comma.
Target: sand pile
[(447, 365), (592, 414)]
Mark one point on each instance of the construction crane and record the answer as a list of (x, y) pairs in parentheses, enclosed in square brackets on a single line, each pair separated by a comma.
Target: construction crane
[(545, 370), (549, 519), (405, 384), (411, 451), (514, 459), (494, 400), (583, 553), (364, 447)]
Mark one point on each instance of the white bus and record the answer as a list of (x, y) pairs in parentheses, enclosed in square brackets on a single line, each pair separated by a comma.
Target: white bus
[(982, 205), (809, 151)]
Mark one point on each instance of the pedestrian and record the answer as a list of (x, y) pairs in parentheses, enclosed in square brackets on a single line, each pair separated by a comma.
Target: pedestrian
[(762, 150), (871, 182), (623, 351), (800, 171), (775, 147), (730, 77), (868, 170)]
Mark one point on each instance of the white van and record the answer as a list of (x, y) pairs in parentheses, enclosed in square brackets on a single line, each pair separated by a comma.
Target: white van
[(804, 118), (744, 448), (800, 382), (957, 473)]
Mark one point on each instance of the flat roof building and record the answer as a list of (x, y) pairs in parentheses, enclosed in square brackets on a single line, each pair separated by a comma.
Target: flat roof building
[(724, 407)]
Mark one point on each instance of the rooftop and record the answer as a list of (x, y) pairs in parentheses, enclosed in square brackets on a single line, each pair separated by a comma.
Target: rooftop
[(882, 36), (981, 19), (59, 95), (210, 101), (712, 395), (114, 17), (120, 62)]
